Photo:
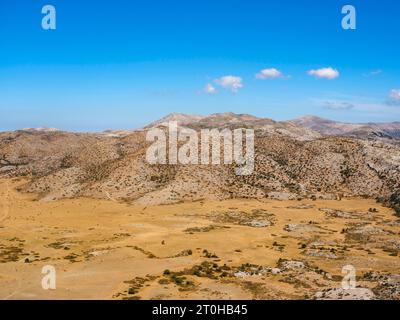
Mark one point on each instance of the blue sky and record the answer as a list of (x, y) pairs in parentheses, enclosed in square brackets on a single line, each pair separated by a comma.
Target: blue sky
[(122, 63)]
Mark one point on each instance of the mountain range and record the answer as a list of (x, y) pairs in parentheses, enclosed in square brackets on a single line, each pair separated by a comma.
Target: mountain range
[(329, 127), (308, 157)]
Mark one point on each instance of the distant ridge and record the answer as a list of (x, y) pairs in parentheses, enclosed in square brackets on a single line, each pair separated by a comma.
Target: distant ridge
[(42, 129), (308, 125), (390, 130), (329, 127)]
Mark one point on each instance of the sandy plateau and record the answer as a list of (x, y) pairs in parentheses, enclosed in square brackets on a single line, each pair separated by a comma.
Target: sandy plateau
[(231, 249)]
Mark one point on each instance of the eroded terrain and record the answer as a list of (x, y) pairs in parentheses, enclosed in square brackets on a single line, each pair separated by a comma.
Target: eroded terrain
[(231, 249)]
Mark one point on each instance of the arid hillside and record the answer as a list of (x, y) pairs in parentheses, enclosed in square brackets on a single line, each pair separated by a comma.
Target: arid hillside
[(292, 160)]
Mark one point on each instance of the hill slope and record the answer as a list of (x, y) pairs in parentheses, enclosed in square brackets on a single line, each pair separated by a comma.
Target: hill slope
[(291, 161)]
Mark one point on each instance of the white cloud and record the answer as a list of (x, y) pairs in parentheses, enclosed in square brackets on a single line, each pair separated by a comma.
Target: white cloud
[(210, 89), (337, 105), (373, 73), (231, 83), (324, 73), (395, 95), (365, 107), (270, 73)]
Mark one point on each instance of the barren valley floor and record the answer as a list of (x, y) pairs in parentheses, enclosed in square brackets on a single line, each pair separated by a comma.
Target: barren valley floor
[(233, 249)]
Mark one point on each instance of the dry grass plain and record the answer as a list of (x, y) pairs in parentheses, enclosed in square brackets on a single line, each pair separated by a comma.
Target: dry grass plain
[(234, 249)]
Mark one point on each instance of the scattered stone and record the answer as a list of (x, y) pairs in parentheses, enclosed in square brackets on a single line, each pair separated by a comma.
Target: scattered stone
[(342, 294), (98, 253), (292, 264), (257, 218), (258, 224), (302, 206), (301, 227), (276, 271), (388, 287), (333, 213), (320, 254)]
